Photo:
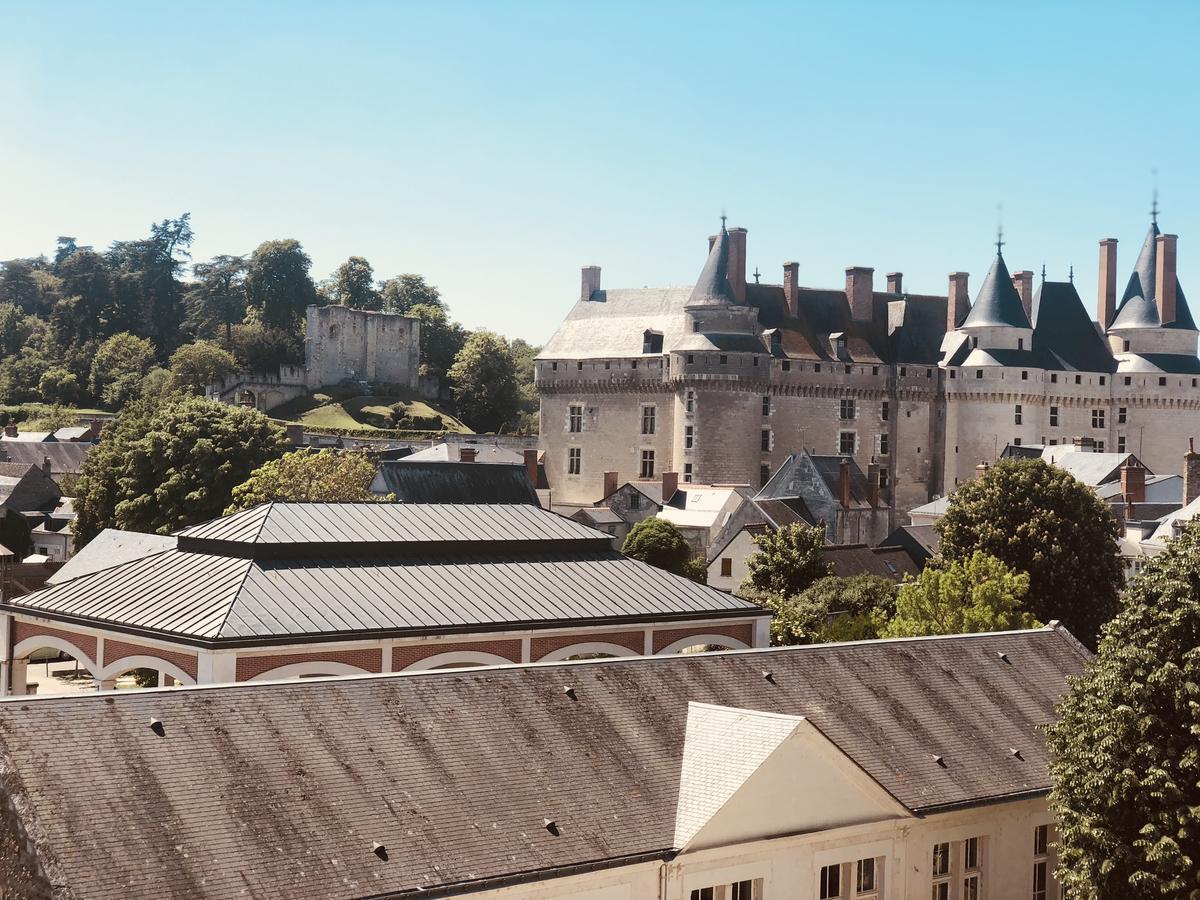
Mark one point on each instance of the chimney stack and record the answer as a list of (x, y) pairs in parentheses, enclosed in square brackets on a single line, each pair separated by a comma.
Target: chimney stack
[(1191, 474), (873, 482), (1023, 282), (610, 484), (895, 283), (590, 282), (844, 483), (467, 454), (1164, 278), (1133, 482), (670, 484), (735, 273), (10, 430), (531, 466), (791, 286), (1106, 299), (46, 465), (958, 301), (981, 470), (860, 291)]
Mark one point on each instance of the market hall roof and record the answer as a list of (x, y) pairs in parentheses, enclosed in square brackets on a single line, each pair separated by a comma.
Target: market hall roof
[(327, 571), (287, 789)]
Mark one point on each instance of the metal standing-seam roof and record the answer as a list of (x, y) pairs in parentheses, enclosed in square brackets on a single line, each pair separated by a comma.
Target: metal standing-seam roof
[(284, 789), (228, 581)]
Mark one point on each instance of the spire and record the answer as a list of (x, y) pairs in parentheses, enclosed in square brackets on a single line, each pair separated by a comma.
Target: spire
[(1137, 308), (712, 287), (998, 302)]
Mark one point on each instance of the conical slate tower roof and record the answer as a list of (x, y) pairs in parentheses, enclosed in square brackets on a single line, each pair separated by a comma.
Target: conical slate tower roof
[(712, 287), (1138, 307), (998, 302)]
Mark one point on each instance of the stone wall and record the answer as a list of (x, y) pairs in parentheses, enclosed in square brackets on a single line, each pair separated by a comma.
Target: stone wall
[(380, 348)]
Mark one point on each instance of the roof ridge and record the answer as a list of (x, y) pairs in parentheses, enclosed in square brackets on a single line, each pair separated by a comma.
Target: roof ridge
[(236, 593)]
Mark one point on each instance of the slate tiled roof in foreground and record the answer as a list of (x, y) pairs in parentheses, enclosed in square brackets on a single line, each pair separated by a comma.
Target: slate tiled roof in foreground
[(280, 790)]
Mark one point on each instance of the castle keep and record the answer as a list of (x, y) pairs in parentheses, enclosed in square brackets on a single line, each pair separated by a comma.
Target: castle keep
[(723, 380), (342, 343)]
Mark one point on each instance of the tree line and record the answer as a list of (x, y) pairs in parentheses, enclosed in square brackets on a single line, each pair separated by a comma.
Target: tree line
[(101, 327)]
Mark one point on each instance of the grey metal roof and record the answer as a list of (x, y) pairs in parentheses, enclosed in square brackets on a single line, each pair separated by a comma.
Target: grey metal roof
[(216, 593), (388, 523), (454, 482), (998, 302), (712, 287), (280, 790)]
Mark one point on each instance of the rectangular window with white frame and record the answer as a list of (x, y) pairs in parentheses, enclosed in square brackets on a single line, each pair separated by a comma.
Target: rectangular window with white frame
[(972, 871), (649, 414), (746, 889), (1097, 418), (847, 410), (881, 444), (689, 400), (1054, 417), (574, 461), (1043, 863), (940, 871), (1122, 415), (689, 437), (1120, 443), (687, 472), (1017, 414), (575, 419), (861, 879)]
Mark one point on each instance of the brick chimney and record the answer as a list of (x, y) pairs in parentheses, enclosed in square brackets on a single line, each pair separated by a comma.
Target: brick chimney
[(958, 301), (10, 430), (1191, 474), (467, 454), (531, 465), (46, 466), (1023, 282), (791, 286), (1106, 295), (610, 484), (873, 482), (1164, 278), (895, 283), (844, 483), (670, 484), (981, 470), (1133, 482), (860, 291), (590, 282), (735, 273)]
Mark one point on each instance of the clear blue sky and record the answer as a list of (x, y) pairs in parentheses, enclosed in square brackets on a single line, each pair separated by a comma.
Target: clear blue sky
[(496, 148)]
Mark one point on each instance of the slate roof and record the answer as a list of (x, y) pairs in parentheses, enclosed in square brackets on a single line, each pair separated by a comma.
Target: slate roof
[(1138, 308), (1064, 335), (450, 452), (848, 560), (281, 572), (920, 542), (712, 287), (1090, 468), (997, 302), (65, 457), (281, 789), (454, 482)]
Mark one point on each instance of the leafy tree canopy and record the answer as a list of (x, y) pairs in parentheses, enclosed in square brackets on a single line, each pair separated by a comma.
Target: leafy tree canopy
[(160, 468), (485, 383), (328, 476), (967, 596), (118, 368), (278, 285), (353, 285), (831, 609), (196, 365), (786, 562), (658, 543), (216, 300), (441, 339), (1126, 766), (402, 293), (1038, 519)]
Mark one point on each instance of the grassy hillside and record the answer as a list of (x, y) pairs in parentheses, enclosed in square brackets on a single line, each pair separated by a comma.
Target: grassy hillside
[(331, 409)]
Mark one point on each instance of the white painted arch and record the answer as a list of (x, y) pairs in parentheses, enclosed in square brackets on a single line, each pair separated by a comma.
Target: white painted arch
[(587, 647), (38, 641), (721, 640), (125, 663), (311, 668), (458, 658)]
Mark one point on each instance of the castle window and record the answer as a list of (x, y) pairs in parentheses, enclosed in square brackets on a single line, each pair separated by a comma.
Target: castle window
[(652, 342), (903, 371), (1079, 379), (1017, 415), (1054, 378), (689, 399), (574, 460), (883, 477), (849, 369), (647, 463), (689, 437), (929, 373), (695, 326), (766, 407), (724, 359), (974, 342), (1162, 382), (1193, 382), (607, 364), (953, 373), (687, 472), (635, 500), (874, 370), (1097, 418), (1024, 375), (847, 409), (554, 366), (764, 475), (755, 358), (1128, 381), (1125, 346), (846, 443), (1122, 415), (633, 365), (691, 359), (726, 567), (816, 367), (979, 373), (575, 419), (787, 366), (883, 444), (885, 410), (1121, 443), (1103, 380), (1099, 446), (579, 366), (765, 440), (1020, 343), (648, 416), (1016, 442), (1053, 442), (1054, 417)]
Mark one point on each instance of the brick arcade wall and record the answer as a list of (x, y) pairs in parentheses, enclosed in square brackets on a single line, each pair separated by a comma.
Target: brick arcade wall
[(85, 642), (368, 659), (403, 657), (631, 640), (117, 650), (743, 633)]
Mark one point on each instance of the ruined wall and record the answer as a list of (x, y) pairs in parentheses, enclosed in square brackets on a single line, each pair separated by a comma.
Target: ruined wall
[(380, 348)]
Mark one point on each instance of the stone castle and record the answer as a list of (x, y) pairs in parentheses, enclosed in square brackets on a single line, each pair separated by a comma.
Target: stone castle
[(723, 380)]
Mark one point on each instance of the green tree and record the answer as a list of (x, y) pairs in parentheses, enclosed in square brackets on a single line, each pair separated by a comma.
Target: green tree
[(441, 339), (967, 596), (260, 349), (160, 468), (278, 285), (484, 383), (327, 476), (1126, 762), (59, 386), (524, 356), (1038, 519), (15, 327), (831, 609), (402, 293), (145, 282), (196, 365), (216, 300), (658, 543), (118, 368), (786, 562), (353, 285)]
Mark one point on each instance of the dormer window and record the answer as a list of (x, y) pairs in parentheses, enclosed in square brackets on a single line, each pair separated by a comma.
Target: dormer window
[(652, 342)]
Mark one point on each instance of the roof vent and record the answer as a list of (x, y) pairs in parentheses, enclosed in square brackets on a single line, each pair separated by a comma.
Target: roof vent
[(940, 761), (157, 727), (551, 826), (570, 692), (1003, 657), (1016, 753), (379, 850), (768, 676)]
